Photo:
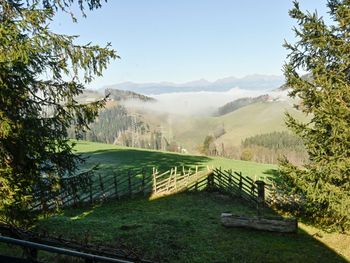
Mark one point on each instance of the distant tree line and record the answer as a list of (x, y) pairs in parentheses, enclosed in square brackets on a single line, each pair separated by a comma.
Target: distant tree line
[(264, 148), (275, 141)]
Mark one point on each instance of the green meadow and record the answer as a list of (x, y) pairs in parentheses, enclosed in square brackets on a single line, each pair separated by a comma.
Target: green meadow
[(110, 157), (182, 227)]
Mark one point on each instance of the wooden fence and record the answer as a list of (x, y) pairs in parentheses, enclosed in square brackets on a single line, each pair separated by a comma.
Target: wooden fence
[(89, 188), (225, 181), (234, 183), (94, 187), (175, 180)]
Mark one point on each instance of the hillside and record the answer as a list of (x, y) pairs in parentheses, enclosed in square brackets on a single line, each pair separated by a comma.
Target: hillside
[(89, 95), (116, 124), (239, 103), (120, 95), (116, 157), (257, 118)]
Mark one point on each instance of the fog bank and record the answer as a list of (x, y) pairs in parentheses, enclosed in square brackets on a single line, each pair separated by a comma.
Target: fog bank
[(198, 103)]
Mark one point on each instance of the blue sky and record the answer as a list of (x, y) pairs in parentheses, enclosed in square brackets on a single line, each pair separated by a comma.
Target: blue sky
[(185, 40)]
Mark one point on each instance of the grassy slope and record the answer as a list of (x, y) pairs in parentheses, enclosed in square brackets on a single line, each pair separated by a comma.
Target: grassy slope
[(115, 157), (253, 119)]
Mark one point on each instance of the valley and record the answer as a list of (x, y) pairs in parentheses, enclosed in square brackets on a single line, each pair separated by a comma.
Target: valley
[(185, 121)]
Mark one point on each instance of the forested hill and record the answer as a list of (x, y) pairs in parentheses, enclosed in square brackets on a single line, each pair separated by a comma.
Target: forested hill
[(119, 95), (239, 103), (114, 94), (117, 124)]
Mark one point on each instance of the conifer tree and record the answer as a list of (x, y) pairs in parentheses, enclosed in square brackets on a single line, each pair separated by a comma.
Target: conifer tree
[(40, 74), (323, 51)]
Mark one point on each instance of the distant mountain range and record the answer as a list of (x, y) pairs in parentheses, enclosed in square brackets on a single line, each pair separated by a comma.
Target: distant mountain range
[(251, 82)]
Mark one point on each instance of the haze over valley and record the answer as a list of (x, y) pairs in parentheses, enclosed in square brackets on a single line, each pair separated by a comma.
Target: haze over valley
[(196, 117)]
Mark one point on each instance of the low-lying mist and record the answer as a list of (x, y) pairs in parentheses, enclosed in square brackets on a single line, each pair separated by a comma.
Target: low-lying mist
[(202, 103)]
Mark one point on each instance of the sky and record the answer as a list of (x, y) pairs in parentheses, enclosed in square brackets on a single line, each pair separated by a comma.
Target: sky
[(186, 40)]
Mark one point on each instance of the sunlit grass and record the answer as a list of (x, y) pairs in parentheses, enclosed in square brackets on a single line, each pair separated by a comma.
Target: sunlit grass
[(118, 158)]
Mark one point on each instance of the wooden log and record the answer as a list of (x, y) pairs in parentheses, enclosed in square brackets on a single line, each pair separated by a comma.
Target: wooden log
[(274, 224)]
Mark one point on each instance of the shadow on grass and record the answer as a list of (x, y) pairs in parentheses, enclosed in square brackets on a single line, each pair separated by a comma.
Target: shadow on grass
[(133, 158), (186, 228)]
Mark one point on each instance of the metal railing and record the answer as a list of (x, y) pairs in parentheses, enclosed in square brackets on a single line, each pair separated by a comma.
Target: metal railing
[(34, 247)]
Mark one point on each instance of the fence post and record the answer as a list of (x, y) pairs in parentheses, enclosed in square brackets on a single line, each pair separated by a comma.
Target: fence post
[(230, 179), (74, 188), (210, 183), (129, 183), (116, 186), (187, 178), (175, 186), (261, 195), (252, 189), (169, 179), (90, 190), (154, 181), (101, 185), (240, 184)]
